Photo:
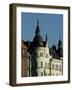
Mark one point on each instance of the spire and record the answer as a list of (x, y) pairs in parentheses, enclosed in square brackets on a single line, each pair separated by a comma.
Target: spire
[(59, 42), (60, 48), (38, 40), (37, 28), (37, 22), (46, 41), (46, 37)]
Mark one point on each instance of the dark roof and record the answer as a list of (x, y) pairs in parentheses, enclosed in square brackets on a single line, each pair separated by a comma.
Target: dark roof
[(52, 51)]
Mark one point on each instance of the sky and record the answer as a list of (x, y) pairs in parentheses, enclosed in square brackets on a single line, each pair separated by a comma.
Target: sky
[(50, 24)]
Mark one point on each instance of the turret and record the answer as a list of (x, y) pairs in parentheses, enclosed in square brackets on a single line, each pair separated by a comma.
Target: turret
[(46, 41), (60, 49), (37, 40)]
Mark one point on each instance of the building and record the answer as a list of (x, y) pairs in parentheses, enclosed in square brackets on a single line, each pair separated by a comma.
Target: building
[(25, 60), (44, 61)]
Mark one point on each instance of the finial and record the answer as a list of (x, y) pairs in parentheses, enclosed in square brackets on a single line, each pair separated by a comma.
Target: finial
[(37, 19), (37, 22)]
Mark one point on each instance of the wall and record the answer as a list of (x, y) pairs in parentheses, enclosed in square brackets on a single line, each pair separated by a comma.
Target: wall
[(4, 45)]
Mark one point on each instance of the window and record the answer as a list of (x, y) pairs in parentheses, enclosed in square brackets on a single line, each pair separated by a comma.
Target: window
[(46, 55), (41, 54), (46, 66), (41, 64), (56, 67), (52, 66), (41, 73), (60, 68), (45, 74)]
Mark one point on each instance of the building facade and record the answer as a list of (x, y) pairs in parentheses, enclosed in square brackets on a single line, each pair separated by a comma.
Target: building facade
[(43, 61), (25, 60)]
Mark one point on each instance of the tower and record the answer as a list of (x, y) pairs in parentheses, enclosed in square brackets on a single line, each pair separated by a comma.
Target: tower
[(37, 52), (38, 41), (60, 49), (46, 41), (46, 47)]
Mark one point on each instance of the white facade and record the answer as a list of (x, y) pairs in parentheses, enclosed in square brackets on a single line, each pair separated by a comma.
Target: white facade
[(46, 65), (56, 67), (42, 64)]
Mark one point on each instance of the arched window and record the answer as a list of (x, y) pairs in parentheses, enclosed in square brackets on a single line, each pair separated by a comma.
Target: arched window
[(41, 64)]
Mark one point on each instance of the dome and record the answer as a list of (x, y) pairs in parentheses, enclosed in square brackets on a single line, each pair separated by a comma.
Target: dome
[(38, 41)]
